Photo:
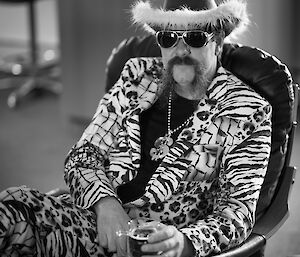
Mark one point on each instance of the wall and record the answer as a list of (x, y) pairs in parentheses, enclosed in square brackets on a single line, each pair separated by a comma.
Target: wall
[(295, 49), (271, 27), (89, 30)]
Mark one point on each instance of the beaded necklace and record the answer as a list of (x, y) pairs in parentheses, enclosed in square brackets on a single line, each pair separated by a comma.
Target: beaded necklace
[(162, 144)]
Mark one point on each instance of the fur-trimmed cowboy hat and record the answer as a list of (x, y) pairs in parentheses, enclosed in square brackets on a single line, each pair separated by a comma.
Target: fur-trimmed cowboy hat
[(229, 16)]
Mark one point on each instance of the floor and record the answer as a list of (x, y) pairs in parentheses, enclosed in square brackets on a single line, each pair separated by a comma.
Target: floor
[(34, 140)]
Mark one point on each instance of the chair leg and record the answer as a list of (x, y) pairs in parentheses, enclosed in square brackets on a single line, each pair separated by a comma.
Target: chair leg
[(15, 96), (32, 84), (38, 77)]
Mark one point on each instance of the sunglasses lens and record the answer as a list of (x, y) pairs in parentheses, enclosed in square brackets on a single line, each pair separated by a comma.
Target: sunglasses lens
[(166, 39), (195, 38)]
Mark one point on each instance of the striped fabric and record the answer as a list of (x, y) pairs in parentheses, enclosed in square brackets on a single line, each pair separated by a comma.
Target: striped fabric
[(219, 159), (207, 185)]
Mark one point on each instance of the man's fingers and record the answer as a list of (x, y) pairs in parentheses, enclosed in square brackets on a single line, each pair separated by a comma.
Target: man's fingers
[(103, 240), (163, 246), (167, 242), (170, 253), (107, 242), (121, 250), (163, 234), (111, 244), (121, 242)]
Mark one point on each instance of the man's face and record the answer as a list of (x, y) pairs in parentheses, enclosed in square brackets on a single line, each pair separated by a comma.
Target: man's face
[(185, 62)]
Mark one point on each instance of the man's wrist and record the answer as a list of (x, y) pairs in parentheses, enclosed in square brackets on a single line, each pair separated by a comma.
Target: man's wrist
[(106, 201)]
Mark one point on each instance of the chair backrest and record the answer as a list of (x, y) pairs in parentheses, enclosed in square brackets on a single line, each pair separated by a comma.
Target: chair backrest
[(271, 79), (262, 71)]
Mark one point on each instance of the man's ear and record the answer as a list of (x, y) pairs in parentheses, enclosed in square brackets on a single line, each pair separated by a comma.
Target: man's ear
[(218, 50)]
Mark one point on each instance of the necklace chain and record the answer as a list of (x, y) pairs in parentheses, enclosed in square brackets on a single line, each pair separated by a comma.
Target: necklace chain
[(162, 144), (171, 131)]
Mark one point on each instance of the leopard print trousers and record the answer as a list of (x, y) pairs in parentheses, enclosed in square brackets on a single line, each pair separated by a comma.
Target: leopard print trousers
[(35, 224)]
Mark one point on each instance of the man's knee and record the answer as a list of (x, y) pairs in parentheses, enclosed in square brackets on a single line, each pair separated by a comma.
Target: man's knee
[(16, 211)]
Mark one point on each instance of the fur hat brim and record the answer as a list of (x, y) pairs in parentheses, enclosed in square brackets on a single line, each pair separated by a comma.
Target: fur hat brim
[(230, 16)]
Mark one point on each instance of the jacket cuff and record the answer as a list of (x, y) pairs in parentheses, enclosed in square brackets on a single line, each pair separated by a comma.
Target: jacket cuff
[(93, 193)]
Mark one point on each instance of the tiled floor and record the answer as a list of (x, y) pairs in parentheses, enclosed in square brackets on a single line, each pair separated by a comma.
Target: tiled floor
[(34, 140)]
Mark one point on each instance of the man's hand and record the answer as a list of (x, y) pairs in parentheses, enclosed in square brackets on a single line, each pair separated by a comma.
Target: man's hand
[(111, 218), (168, 242)]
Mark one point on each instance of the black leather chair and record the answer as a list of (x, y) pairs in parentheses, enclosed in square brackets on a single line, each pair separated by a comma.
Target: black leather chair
[(270, 78), (39, 74)]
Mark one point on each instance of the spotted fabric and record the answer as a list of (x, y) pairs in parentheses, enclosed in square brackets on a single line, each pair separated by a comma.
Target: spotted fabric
[(207, 185), (35, 224)]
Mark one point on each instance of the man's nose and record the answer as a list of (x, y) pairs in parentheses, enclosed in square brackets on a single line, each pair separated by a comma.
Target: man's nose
[(182, 49)]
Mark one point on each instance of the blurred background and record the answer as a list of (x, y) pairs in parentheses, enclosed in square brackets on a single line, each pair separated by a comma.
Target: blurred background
[(73, 40)]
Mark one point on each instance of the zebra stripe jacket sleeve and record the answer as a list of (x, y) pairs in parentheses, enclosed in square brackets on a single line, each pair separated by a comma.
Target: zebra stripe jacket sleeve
[(85, 164)]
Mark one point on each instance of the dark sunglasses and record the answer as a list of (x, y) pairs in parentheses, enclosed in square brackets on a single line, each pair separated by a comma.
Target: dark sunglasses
[(193, 38)]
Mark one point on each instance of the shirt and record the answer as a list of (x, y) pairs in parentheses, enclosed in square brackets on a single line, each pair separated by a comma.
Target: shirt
[(154, 125)]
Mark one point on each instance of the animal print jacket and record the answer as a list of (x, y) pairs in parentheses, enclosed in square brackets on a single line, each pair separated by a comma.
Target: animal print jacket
[(207, 185)]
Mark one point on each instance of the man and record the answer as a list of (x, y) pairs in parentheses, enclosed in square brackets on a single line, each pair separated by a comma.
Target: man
[(178, 139)]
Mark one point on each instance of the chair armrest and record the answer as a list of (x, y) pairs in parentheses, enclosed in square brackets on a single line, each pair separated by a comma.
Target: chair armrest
[(269, 222), (278, 211), (253, 244)]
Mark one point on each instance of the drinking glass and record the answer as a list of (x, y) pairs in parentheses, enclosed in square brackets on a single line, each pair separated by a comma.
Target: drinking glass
[(137, 234)]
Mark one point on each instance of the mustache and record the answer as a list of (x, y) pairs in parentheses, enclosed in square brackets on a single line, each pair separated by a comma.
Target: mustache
[(185, 60), (168, 82)]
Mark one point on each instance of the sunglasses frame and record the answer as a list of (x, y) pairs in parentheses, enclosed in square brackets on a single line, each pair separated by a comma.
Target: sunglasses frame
[(180, 35)]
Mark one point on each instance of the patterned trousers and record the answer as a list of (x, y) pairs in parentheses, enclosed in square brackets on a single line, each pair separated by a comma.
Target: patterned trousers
[(35, 224)]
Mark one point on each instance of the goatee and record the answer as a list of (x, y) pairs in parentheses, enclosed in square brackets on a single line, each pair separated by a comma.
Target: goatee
[(168, 83)]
